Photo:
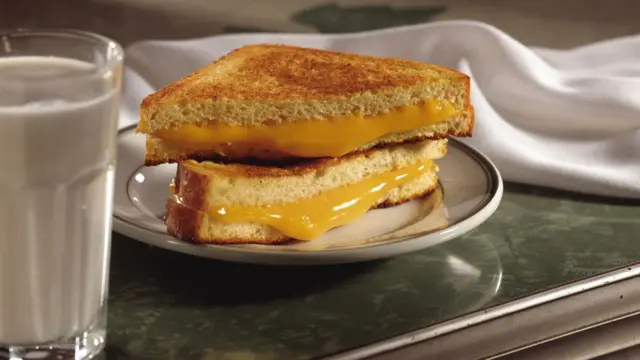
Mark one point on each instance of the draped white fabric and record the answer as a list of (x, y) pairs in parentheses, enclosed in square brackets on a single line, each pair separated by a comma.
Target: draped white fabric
[(568, 119)]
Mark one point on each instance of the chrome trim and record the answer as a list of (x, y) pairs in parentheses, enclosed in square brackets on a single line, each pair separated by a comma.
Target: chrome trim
[(606, 339), (516, 324)]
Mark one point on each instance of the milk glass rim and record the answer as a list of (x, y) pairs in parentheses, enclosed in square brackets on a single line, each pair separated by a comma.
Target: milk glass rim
[(113, 58)]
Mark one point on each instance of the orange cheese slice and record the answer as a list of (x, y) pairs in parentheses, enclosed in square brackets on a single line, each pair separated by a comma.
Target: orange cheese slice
[(332, 138)]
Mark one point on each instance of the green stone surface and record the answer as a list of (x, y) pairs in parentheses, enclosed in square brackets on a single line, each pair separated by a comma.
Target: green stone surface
[(168, 305)]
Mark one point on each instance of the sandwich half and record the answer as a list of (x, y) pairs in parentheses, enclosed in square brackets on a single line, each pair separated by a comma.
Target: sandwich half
[(275, 103), (235, 203)]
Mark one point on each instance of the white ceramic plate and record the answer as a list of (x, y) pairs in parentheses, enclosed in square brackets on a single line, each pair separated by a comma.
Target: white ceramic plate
[(469, 192)]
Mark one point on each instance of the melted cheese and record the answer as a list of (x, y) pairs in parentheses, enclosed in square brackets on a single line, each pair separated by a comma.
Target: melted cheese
[(311, 217), (331, 138)]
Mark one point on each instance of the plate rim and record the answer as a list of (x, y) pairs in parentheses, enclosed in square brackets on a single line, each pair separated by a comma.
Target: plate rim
[(476, 216)]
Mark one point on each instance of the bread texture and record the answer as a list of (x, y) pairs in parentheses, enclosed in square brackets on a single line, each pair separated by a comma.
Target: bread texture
[(160, 151), (201, 186), (267, 84), (196, 226)]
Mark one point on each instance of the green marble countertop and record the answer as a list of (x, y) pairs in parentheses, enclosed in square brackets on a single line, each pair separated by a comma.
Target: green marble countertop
[(166, 305), (170, 306)]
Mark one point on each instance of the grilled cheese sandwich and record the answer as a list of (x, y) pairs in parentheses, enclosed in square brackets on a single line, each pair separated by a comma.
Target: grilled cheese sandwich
[(276, 142), (266, 205)]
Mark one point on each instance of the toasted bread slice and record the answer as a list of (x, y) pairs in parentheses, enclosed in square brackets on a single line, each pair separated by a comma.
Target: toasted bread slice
[(202, 185), (267, 84), (201, 188), (160, 151)]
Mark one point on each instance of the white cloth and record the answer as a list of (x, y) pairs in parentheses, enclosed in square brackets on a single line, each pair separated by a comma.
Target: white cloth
[(568, 119)]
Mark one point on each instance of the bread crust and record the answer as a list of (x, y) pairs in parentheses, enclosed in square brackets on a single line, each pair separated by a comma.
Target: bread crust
[(190, 168), (182, 222), (267, 84), (302, 74)]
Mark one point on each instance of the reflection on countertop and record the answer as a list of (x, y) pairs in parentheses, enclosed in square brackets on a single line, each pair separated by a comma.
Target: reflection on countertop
[(198, 307)]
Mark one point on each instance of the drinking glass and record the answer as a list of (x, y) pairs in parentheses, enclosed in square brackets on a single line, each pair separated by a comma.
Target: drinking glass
[(59, 105)]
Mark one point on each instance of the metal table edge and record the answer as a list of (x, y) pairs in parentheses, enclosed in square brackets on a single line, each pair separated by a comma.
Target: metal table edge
[(598, 283), (598, 340)]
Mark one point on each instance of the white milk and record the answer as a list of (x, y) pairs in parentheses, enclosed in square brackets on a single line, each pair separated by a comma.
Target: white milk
[(56, 178)]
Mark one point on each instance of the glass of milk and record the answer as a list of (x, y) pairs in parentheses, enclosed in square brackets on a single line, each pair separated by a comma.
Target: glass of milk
[(59, 104)]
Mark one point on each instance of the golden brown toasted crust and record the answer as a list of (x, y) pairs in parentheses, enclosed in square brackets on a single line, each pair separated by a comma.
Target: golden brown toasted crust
[(183, 223), (268, 84), (472, 124), (197, 183), (300, 74)]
